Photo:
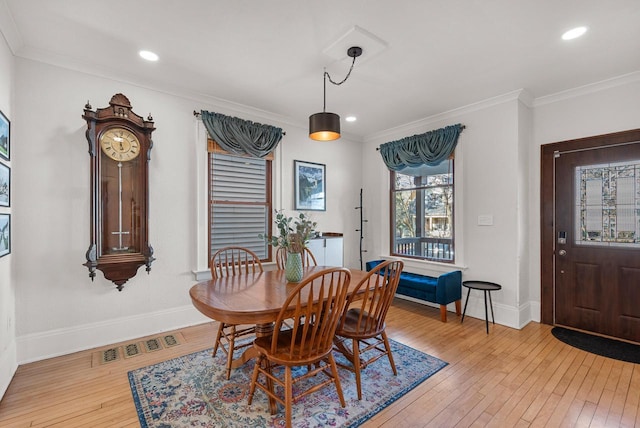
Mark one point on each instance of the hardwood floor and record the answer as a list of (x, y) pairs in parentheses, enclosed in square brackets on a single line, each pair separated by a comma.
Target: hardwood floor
[(509, 378)]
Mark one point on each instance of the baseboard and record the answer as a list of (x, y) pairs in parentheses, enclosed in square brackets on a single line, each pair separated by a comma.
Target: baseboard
[(8, 367), (53, 343), (506, 315), (534, 311)]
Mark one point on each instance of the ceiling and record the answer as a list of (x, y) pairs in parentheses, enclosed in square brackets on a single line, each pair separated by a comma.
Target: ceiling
[(421, 57)]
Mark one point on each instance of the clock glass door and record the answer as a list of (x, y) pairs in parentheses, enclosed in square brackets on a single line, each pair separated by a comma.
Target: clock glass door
[(121, 206)]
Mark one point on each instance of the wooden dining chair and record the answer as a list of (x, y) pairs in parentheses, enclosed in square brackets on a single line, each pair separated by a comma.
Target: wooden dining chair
[(308, 259), (232, 261), (320, 296), (363, 320)]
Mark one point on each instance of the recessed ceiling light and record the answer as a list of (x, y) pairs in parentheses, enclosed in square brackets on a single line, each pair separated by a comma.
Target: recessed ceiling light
[(350, 118), (148, 55), (574, 33)]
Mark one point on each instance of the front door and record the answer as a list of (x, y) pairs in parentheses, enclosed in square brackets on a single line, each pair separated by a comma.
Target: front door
[(597, 239)]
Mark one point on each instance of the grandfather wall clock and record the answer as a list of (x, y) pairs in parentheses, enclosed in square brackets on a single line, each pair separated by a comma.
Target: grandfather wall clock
[(120, 149)]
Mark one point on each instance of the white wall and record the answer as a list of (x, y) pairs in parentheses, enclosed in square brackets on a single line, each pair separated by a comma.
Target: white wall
[(59, 310), (8, 363), (601, 108), (488, 182), (527, 311)]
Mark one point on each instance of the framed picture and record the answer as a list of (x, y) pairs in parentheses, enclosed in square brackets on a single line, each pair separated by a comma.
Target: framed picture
[(5, 234), (5, 185), (310, 186), (5, 133)]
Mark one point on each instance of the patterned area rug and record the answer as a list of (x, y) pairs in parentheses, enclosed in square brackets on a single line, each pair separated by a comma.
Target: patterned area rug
[(192, 391)]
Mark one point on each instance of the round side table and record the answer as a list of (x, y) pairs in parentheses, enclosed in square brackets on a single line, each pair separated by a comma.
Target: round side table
[(487, 287)]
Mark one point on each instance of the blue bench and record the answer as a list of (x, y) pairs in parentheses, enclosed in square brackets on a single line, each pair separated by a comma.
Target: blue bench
[(445, 289)]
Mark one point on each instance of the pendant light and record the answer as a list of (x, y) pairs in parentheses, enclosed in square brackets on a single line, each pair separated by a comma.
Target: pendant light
[(325, 126)]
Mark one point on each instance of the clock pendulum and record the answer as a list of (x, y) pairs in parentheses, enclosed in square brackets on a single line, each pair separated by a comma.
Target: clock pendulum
[(120, 232)]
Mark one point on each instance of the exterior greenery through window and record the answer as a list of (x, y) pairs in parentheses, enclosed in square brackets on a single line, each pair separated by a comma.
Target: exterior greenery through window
[(422, 212), (239, 202)]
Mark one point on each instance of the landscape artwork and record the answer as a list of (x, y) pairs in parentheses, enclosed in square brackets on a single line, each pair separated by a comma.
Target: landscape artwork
[(5, 185), (5, 128), (5, 234), (310, 186)]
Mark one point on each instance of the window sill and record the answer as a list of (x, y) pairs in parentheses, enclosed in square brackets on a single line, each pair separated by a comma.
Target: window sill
[(427, 266)]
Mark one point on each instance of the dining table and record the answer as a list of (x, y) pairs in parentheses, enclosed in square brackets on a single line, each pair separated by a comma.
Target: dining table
[(253, 298)]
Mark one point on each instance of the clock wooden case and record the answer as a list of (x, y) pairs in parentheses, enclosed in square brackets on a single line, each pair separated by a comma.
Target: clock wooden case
[(120, 149)]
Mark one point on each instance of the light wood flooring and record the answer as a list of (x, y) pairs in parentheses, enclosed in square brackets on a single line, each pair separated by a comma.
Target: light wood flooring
[(509, 378)]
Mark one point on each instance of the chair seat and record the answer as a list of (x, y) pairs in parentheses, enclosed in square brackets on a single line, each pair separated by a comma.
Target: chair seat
[(284, 348), (353, 323)]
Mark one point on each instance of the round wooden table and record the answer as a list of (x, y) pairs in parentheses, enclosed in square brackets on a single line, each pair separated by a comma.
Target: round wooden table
[(251, 299)]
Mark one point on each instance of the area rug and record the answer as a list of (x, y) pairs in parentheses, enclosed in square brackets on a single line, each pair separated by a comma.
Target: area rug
[(192, 391), (606, 347)]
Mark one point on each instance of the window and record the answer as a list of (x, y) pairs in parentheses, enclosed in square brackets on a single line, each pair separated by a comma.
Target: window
[(422, 212), (607, 197), (239, 202)]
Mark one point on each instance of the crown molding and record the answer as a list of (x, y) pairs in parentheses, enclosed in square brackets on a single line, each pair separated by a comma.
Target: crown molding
[(588, 89), (9, 29), (208, 101), (419, 125)]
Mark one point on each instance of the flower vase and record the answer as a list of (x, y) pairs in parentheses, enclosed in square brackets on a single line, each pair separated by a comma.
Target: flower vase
[(293, 267)]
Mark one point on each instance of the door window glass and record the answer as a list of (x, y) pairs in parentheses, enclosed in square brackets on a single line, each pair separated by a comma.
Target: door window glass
[(608, 204)]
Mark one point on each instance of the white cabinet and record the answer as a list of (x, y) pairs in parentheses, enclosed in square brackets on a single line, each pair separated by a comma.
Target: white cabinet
[(327, 250)]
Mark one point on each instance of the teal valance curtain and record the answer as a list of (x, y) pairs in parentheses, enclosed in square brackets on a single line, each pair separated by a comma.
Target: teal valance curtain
[(241, 136), (429, 148)]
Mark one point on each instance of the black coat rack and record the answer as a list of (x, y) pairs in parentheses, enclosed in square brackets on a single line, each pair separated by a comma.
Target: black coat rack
[(362, 221)]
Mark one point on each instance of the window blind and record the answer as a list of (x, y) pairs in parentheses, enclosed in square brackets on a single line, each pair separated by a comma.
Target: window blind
[(240, 205)]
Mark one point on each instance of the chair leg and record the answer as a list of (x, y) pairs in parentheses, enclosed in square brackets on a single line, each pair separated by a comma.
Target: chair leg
[(218, 336), (288, 395), (254, 379), (389, 354), (336, 379), (232, 339), (356, 366), (458, 311), (273, 407)]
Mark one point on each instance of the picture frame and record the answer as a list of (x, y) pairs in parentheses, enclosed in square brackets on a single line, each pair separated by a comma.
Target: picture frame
[(5, 137), (310, 186), (5, 234), (5, 185)]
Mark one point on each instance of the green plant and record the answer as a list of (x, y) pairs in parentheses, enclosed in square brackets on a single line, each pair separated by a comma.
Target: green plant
[(292, 237)]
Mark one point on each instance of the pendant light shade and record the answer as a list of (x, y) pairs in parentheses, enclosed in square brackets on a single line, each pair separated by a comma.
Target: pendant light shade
[(324, 126)]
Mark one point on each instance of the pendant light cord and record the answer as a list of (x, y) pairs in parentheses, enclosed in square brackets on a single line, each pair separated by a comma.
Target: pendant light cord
[(346, 77), (326, 74)]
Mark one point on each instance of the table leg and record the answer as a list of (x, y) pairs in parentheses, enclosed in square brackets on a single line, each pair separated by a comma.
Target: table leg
[(491, 305), (251, 353), (338, 342), (486, 313), (465, 306)]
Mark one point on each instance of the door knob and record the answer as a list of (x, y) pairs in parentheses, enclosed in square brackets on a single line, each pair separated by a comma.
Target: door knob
[(562, 252)]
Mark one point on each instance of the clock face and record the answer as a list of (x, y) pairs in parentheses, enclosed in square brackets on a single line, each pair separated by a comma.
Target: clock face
[(120, 144)]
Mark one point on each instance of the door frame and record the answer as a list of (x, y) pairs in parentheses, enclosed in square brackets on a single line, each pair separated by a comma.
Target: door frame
[(547, 207)]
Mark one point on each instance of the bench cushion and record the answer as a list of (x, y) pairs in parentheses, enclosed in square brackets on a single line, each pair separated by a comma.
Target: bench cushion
[(445, 289)]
